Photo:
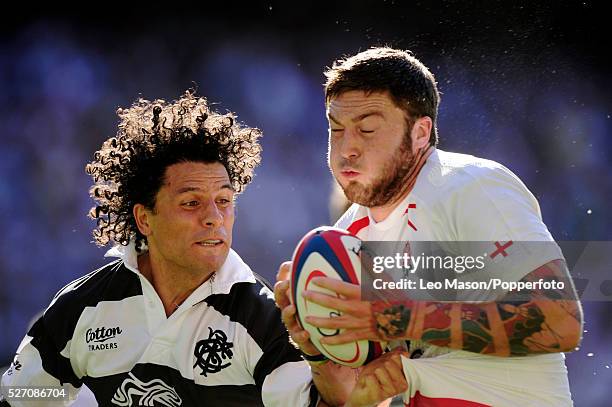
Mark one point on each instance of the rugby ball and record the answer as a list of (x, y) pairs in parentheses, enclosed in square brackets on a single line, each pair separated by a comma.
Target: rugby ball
[(329, 252)]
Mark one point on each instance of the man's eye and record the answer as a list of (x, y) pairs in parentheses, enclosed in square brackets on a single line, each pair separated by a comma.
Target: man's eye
[(191, 203), (224, 201), (336, 130), (366, 131)]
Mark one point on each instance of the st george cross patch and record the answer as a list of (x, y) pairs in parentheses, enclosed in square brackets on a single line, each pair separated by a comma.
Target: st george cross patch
[(211, 353), (501, 249)]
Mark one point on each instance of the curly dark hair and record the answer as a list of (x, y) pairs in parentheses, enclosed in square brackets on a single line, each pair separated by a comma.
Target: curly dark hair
[(411, 85), (130, 167)]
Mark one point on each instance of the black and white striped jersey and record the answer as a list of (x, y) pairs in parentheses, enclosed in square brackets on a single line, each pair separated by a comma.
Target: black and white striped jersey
[(224, 346)]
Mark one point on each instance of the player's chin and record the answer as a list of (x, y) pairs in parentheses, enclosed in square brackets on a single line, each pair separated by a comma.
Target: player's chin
[(356, 192), (212, 259)]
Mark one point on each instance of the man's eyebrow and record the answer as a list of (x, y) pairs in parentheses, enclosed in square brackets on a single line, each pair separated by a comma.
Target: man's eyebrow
[(333, 119), (367, 114), (358, 118), (196, 189)]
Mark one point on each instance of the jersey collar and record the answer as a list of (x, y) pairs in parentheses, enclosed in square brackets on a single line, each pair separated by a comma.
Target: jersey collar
[(234, 270)]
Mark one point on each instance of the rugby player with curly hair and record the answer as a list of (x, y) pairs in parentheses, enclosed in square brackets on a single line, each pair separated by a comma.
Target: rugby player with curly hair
[(178, 318)]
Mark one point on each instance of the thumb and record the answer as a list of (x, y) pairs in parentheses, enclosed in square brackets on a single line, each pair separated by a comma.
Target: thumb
[(284, 271)]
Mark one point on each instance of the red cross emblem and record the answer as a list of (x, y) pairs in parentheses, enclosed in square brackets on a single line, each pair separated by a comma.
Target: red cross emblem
[(501, 249)]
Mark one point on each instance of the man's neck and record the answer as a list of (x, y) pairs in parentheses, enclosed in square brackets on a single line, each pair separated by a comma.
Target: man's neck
[(380, 213), (173, 285)]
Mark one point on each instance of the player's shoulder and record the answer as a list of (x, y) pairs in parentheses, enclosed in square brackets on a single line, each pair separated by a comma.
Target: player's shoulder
[(111, 282), (245, 299), (451, 172), (251, 304), (260, 291)]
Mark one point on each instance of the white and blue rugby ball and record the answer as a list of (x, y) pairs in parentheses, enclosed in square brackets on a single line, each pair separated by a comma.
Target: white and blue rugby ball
[(329, 252)]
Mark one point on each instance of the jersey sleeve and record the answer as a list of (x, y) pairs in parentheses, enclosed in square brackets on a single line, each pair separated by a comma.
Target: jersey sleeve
[(42, 361), (286, 381), (496, 210), (280, 373), (495, 204)]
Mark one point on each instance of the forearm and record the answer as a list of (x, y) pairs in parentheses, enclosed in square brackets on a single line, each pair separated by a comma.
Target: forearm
[(334, 382), (544, 322)]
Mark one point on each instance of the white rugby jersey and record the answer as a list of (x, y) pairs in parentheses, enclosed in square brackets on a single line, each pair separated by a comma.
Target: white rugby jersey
[(459, 197), (224, 346)]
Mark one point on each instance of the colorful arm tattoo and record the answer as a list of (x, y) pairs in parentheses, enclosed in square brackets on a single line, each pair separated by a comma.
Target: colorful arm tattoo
[(545, 321)]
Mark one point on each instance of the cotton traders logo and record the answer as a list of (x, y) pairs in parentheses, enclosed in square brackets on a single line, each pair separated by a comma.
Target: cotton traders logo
[(97, 339), (134, 392)]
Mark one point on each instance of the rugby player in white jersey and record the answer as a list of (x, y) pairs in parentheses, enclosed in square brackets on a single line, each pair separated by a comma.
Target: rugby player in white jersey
[(382, 107)]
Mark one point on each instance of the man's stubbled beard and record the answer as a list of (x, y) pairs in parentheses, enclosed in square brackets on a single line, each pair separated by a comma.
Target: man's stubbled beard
[(391, 182)]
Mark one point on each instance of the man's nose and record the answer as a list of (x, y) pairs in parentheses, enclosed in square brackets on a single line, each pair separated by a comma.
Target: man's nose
[(350, 147), (211, 215)]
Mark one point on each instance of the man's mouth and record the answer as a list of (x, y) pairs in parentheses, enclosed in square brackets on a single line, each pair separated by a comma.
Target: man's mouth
[(349, 173), (210, 242)]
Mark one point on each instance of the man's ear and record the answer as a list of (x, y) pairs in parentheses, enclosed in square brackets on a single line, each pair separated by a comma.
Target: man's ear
[(421, 133), (141, 214)]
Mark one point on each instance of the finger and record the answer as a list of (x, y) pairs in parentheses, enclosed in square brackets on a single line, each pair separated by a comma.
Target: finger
[(353, 307), (281, 293), (302, 339), (348, 336), (283, 284), (349, 290), (295, 330), (284, 271), (288, 316), (396, 377), (301, 336), (372, 387), (396, 373), (386, 382), (341, 322)]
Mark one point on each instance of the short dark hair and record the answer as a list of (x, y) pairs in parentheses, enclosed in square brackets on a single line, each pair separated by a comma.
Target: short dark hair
[(130, 167), (411, 85)]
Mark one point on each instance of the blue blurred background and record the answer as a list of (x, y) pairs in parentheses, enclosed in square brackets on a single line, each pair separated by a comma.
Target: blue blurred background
[(524, 84)]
